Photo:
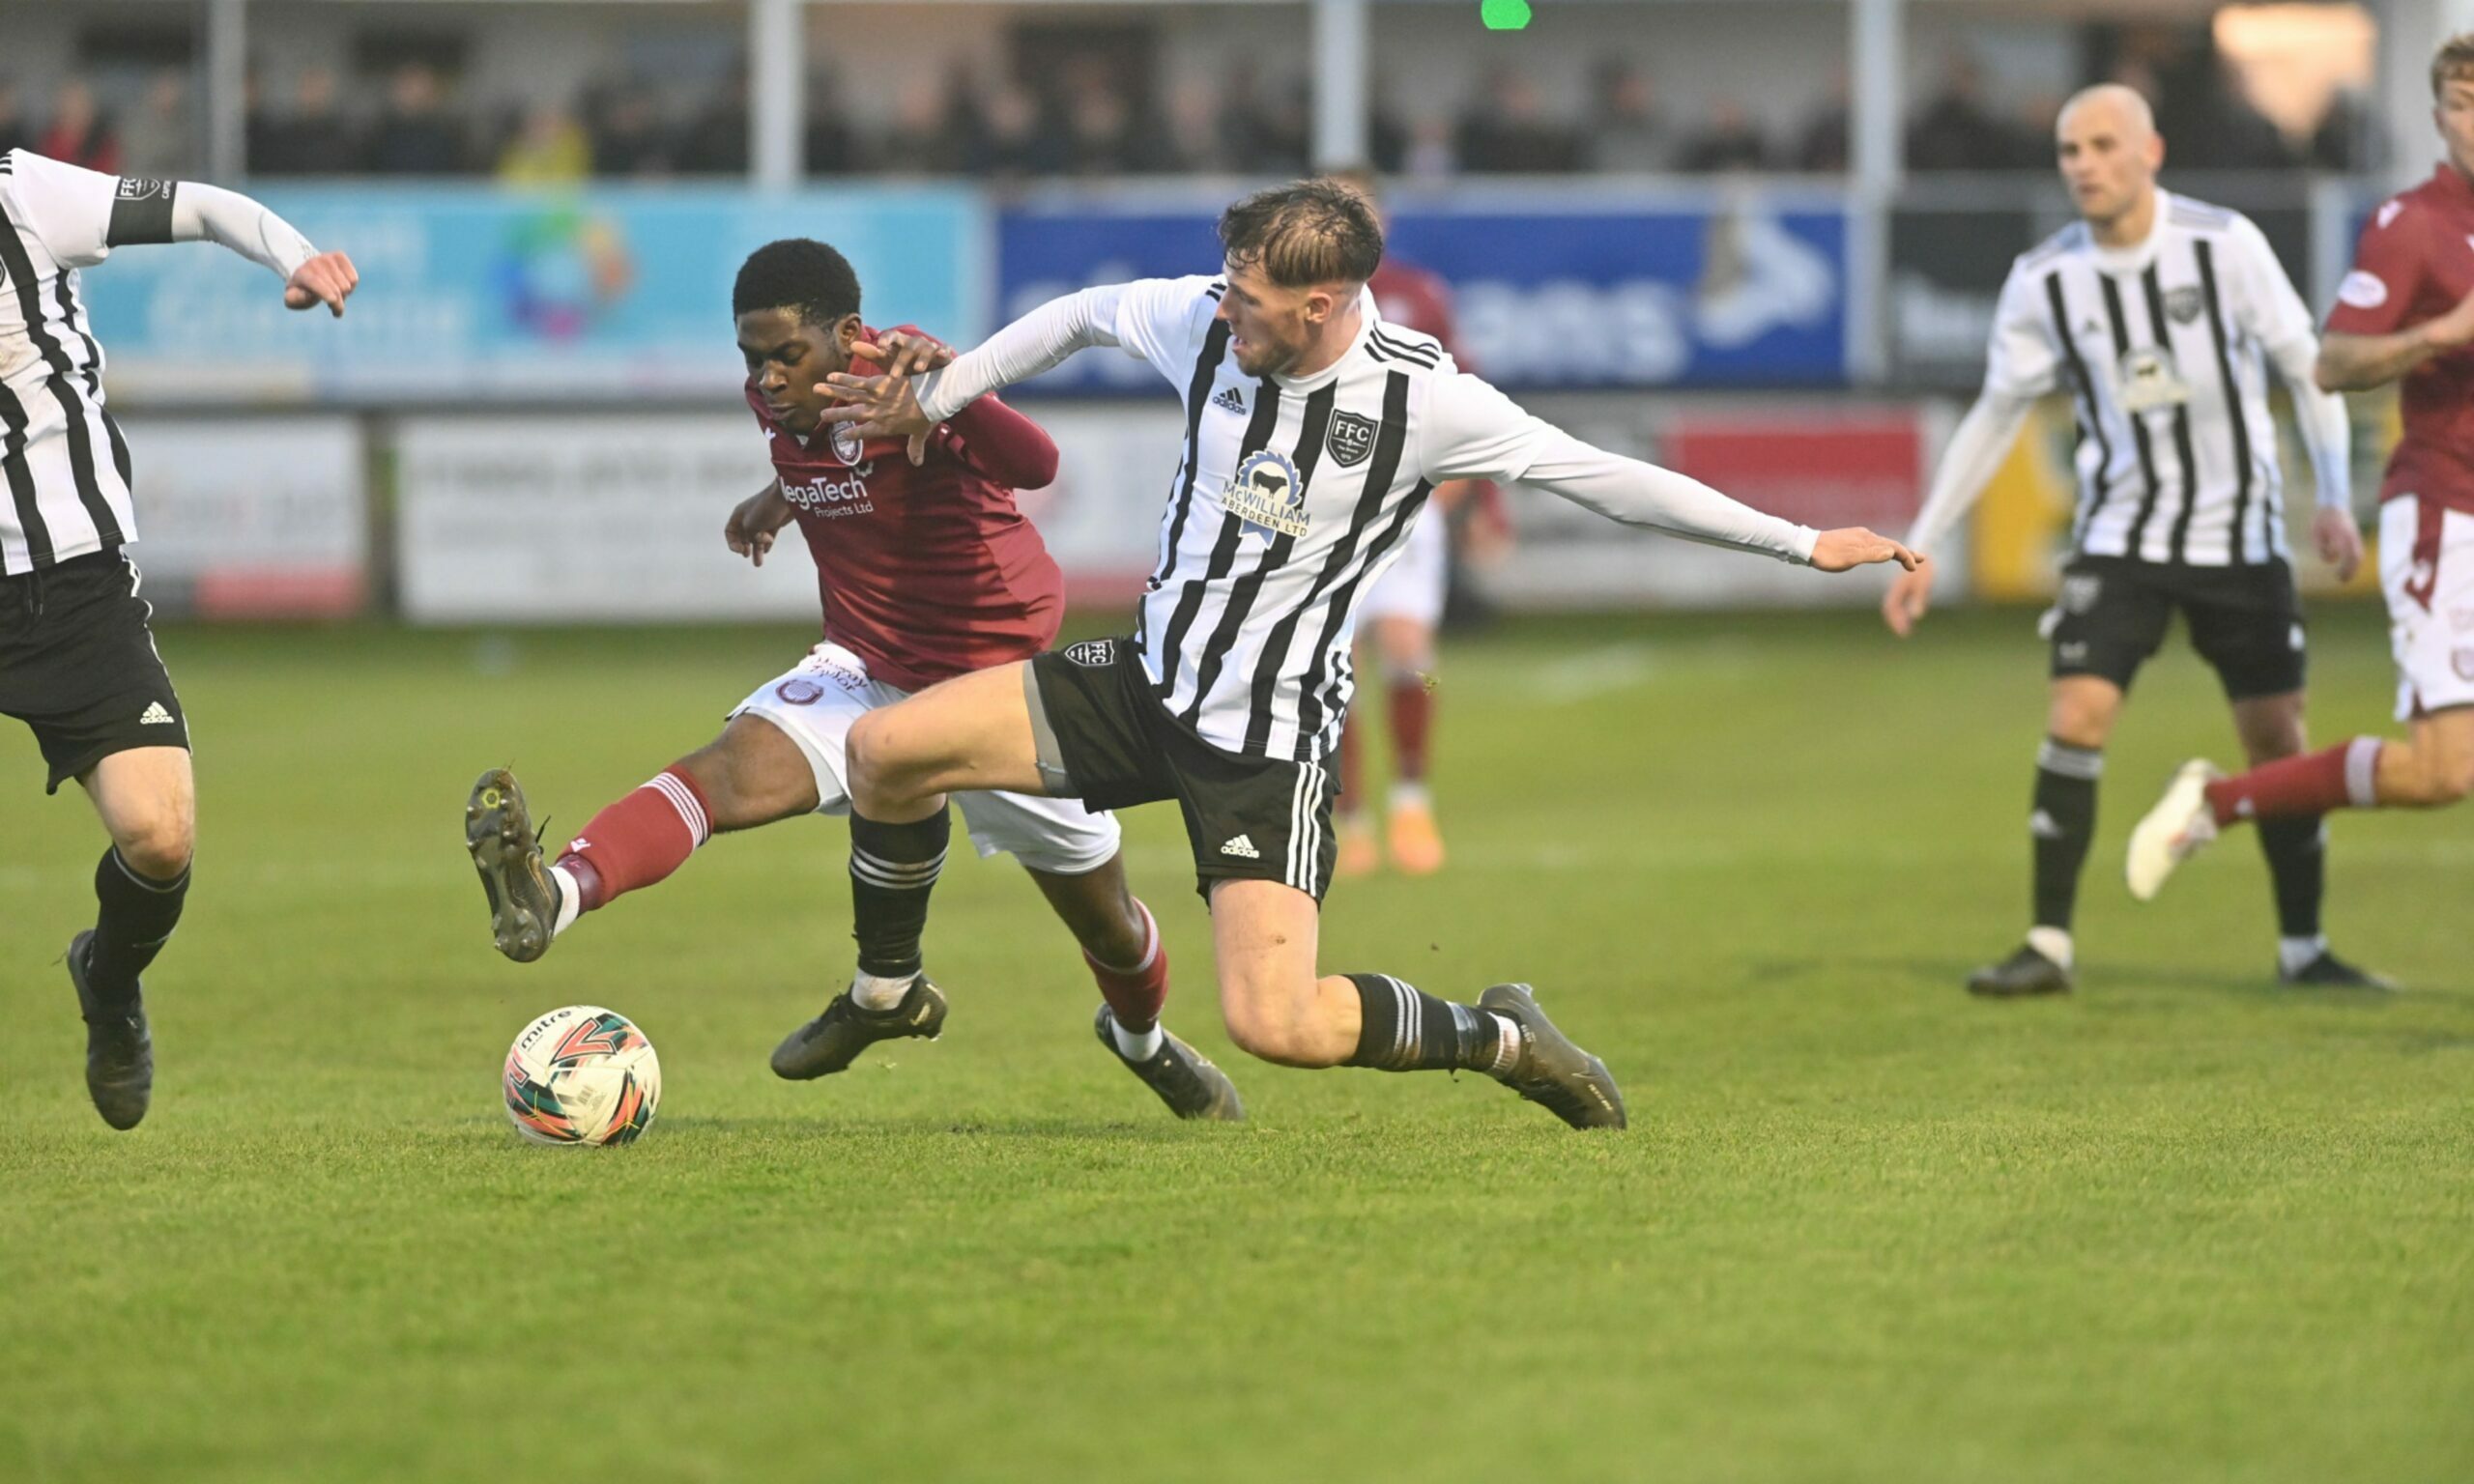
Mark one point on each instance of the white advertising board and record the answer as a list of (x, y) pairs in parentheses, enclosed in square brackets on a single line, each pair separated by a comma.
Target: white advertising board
[(250, 517)]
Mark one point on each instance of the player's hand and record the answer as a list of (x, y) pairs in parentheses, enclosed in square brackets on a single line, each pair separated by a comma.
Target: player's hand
[(2339, 541), (904, 352), (749, 531), (1909, 600), (877, 407), (1852, 546), (328, 279), (2454, 330)]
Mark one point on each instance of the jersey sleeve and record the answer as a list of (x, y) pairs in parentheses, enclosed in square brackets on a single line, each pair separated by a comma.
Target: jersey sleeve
[(1163, 320), (2379, 290), (2022, 360), (68, 207), (1472, 431), (2268, 304)]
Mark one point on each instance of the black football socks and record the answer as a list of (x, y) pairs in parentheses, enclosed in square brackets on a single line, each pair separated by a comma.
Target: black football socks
[(1402, 1028), (2297, 852), (893, 869), (135, 916), (2063, 825)]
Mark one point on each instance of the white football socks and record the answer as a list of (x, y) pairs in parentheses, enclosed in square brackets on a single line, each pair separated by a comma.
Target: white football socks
[(2051, 942), (869, 992), (570, 900), (2294, 954), (1134, 1046)]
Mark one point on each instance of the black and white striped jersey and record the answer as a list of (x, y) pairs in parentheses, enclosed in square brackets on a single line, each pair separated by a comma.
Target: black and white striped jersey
[(1292, 494), (2166, 347), (63, 462)]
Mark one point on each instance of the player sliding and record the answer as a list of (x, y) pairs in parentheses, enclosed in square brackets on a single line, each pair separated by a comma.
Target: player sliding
[(927, 571), (77, 658), (2405, 313), (2162, 316), (1314, 435)]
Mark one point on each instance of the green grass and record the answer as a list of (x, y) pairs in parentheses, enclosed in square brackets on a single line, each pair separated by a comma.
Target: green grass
[(2183, 1226)]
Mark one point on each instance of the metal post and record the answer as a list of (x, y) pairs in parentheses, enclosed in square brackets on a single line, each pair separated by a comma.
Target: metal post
[(1876, 110), (225, 88), (1342, 98), (777, 82)]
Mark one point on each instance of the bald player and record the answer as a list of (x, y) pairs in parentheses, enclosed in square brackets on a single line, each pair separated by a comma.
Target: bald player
[(2162, 317)]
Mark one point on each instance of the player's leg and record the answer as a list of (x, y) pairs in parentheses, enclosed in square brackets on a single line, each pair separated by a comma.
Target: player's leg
[(774, 757), (147, 799), (78, 664), (2427, 569), (1279, 1007), (1357, 852), (1075, 858), (2108, 618), (1406, 644)]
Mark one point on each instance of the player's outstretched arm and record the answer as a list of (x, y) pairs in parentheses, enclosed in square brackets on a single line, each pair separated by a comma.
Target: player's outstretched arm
[(2361, 362), (310, 277), (889, 406)]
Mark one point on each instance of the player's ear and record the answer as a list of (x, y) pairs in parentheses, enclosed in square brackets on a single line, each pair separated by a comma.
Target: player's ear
[(846, 334)]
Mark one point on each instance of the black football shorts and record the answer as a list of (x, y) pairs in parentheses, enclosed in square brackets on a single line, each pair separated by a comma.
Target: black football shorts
[(2244, 621), (78, 666), (1105, 739)]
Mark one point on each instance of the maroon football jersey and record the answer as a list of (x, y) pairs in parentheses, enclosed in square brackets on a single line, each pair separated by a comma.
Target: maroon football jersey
[(2415, 261)]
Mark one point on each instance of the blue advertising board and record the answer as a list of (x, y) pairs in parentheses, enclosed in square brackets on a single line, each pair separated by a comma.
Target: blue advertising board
[(503, 295), (1719, 289)]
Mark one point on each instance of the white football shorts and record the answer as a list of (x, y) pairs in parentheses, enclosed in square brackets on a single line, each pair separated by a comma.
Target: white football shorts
[(2427, 569), (815, 703)]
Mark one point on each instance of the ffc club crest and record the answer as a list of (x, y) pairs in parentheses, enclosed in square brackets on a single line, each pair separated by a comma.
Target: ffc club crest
[(1267, 494), (1351, 439)]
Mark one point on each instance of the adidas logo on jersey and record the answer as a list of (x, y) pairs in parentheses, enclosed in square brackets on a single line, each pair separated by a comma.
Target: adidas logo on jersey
[(1230, 399), (1241, 848), (156, 715)]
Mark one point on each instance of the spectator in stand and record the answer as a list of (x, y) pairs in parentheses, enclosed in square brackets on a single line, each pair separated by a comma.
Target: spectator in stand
[(1098, 124), (1511, 134), (2202, 109), (1822, 148), (1957, 130), (1729, 141), (715, 141), (2348, 137), (1430, 158), (159, 140), (830, 143), (1263, 136), (1626, 133), (549, 148), (416, 136), (78, 133), (314, 138), (624, 129), (1016, 142), (1193, 127), (929, 133)]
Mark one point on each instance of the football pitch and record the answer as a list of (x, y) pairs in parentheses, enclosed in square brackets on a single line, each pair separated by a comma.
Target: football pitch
[(2183, 1225)]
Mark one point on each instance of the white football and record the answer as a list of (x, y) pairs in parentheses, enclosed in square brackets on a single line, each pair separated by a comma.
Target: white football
[(582, 1074)]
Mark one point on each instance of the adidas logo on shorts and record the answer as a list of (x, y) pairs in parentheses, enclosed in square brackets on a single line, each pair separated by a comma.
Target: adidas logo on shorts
[(1230, 399), (1241, 848), (156, 715)]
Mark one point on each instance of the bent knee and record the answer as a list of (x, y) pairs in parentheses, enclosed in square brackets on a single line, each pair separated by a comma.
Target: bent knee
[(1279, 1032), (159, 848)]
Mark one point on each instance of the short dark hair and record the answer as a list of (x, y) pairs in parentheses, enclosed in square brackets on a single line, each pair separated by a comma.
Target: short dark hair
[(2454, 62), (797, 274), (1306, 232)]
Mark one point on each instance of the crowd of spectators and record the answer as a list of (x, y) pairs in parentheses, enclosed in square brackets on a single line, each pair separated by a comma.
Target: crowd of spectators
[(1087, 121)]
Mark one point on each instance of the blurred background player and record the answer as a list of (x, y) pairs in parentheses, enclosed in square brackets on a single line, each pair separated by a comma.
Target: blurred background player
[(1404, 609), (2161, 315), (78, 657), (927, 570), (2405, 313)]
